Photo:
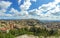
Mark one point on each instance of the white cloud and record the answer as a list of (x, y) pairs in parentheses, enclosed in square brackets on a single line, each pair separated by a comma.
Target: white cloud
[(18, 13), (2, 11), (19, 1), (4, 4), (25, 6), (3, 7), (14, 11), (50, 11), (57, 0)]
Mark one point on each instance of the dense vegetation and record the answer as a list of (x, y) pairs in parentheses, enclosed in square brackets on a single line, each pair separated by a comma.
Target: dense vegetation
[(32, 31), (6, 35)]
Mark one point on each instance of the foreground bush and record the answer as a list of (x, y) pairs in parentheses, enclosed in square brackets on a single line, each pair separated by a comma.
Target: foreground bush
[(6, 35), (32, 31)]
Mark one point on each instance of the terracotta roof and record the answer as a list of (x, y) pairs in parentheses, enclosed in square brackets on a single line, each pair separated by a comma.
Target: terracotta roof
[(3, 29)]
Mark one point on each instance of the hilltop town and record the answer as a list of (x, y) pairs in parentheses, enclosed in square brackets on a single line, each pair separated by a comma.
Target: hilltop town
[(11, 24), (29, 26)]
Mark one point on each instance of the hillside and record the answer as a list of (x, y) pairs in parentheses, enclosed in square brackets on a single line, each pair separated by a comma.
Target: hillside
[(28, 23), (16, 28), (21, 23)]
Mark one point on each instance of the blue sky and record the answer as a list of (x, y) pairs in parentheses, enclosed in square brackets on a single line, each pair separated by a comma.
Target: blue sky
[(33, 6), (27, 9)]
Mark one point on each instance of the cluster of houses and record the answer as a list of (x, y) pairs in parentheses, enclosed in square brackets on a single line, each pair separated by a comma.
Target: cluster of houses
[(6, 26)]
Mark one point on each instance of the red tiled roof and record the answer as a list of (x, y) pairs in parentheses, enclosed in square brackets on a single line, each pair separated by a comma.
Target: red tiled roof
[(3, 28)]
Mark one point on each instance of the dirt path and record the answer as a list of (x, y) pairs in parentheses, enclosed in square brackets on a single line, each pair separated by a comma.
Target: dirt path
[(27, 36)]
